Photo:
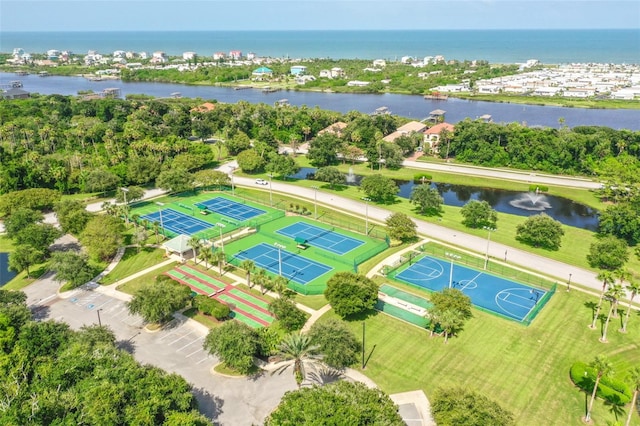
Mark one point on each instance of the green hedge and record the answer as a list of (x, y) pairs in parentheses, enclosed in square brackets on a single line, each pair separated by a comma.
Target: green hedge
[(212, 307), (540, 188), (610, 389), (418, 177)]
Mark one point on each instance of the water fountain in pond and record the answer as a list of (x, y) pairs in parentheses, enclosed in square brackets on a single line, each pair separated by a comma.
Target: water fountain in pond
[(351, 177), (531, 201)]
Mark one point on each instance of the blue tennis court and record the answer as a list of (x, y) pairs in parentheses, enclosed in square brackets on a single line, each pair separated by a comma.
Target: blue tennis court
[(176, 222), (319, 237), (505, 297), (232, 209), (294, 267)]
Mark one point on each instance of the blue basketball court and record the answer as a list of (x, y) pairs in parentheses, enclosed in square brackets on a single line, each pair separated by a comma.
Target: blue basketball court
[(505, 297), (294, 267), (229, 208), (176, 222), (326, 239)]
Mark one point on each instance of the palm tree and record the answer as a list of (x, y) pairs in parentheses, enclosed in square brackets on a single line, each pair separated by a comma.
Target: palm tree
[(206, 256), (145, 223), (607, 279), (134, 218), (249, 266), (622, 275), (633, 379), (633, 287), (613, 295), (280, 286), (603, 368), (296, 350), (156, 229), (219, 257), (261, 278), (195, 244)]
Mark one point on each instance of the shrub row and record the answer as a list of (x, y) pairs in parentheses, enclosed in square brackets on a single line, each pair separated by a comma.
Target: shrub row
[(610, 389), (212, 307), (418, 177), (539, 188)]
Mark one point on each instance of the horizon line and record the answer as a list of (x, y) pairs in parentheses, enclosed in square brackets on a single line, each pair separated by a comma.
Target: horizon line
[(320, 29)]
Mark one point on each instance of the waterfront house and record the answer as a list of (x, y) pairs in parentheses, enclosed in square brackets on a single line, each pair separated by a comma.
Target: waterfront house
[(379, 63), (298, 70), (235, 54), (432, 136), (15, 93), (405, 130), (262, 73), (218, 56), (337, 72), (205, 107), (335, 128), (188, 56), (159, 58), (358, 83)]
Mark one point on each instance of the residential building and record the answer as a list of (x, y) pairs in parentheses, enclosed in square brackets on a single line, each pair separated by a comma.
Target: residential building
[(432, 136), (298, 70)]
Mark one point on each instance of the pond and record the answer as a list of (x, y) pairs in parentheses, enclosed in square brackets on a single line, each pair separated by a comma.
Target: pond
[(518, 203), (5, 274)]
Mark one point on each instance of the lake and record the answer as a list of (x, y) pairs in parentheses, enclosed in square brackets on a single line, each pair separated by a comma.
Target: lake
[(5, 274), (567, 212)]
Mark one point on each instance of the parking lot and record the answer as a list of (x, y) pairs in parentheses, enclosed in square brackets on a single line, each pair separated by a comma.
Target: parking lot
[(176, 348)]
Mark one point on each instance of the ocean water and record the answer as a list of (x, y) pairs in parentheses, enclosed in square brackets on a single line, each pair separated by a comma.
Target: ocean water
[(496, 46)]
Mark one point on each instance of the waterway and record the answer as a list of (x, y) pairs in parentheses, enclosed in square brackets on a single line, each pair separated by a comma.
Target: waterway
[(566, 211), (410, 106), (6, 275)]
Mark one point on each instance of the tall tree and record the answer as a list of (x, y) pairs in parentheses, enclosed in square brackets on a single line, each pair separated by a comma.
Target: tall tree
[(297, 351), (603, 368), (607, 278), (196, 244), (478, 214), (175, 180), (608, 252), (540, 231), (428, 199), (331, 175), (633, 287), (235, 343), (612, 295), (249, 266), (102, 236), (634, 380), (23, 257), (156, 302), (336, 342), (401, 227), (379, 188), (350, 293), (339, 403)]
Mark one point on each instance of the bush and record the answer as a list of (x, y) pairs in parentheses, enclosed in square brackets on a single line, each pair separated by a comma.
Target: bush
[(610, 389), (539, 188), (291, 318), (211, 307), (418, 177)]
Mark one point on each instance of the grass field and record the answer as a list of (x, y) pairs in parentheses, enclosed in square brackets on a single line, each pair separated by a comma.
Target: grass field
[(268, 235), (149, 278), (575, 242), (526, 369), (133, 262)]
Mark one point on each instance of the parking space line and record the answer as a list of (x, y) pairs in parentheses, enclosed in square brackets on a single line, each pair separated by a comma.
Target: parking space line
[(204, 359), (171, 333), (191, 343), (193, 353), (181, 337)]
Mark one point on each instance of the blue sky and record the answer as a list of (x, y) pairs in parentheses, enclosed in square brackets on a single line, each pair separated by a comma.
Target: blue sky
[(156, 15)]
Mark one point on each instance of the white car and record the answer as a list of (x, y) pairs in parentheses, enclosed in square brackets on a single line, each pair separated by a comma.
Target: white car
[(261, 182)]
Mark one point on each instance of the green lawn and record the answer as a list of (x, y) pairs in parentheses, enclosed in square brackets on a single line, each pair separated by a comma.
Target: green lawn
[(314, 302), (575, 243), (149, 278), (526, 369), (133, 262)]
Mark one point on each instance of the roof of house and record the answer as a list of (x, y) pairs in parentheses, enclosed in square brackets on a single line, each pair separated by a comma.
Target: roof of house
[(437, 112), (435, 130), (205, 107), (263, 70), (179, 244), (334, 128), (412, 126)]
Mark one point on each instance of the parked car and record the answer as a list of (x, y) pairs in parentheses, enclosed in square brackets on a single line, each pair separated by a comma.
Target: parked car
[(261, 182)]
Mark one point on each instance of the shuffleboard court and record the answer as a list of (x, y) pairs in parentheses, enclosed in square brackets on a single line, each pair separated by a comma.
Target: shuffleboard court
[(505, 297), (232, 209), (326, 239), (176, 222), (294, 267)]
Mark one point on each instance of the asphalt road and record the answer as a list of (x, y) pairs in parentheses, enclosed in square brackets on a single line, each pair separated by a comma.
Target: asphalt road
[(548, 267)]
